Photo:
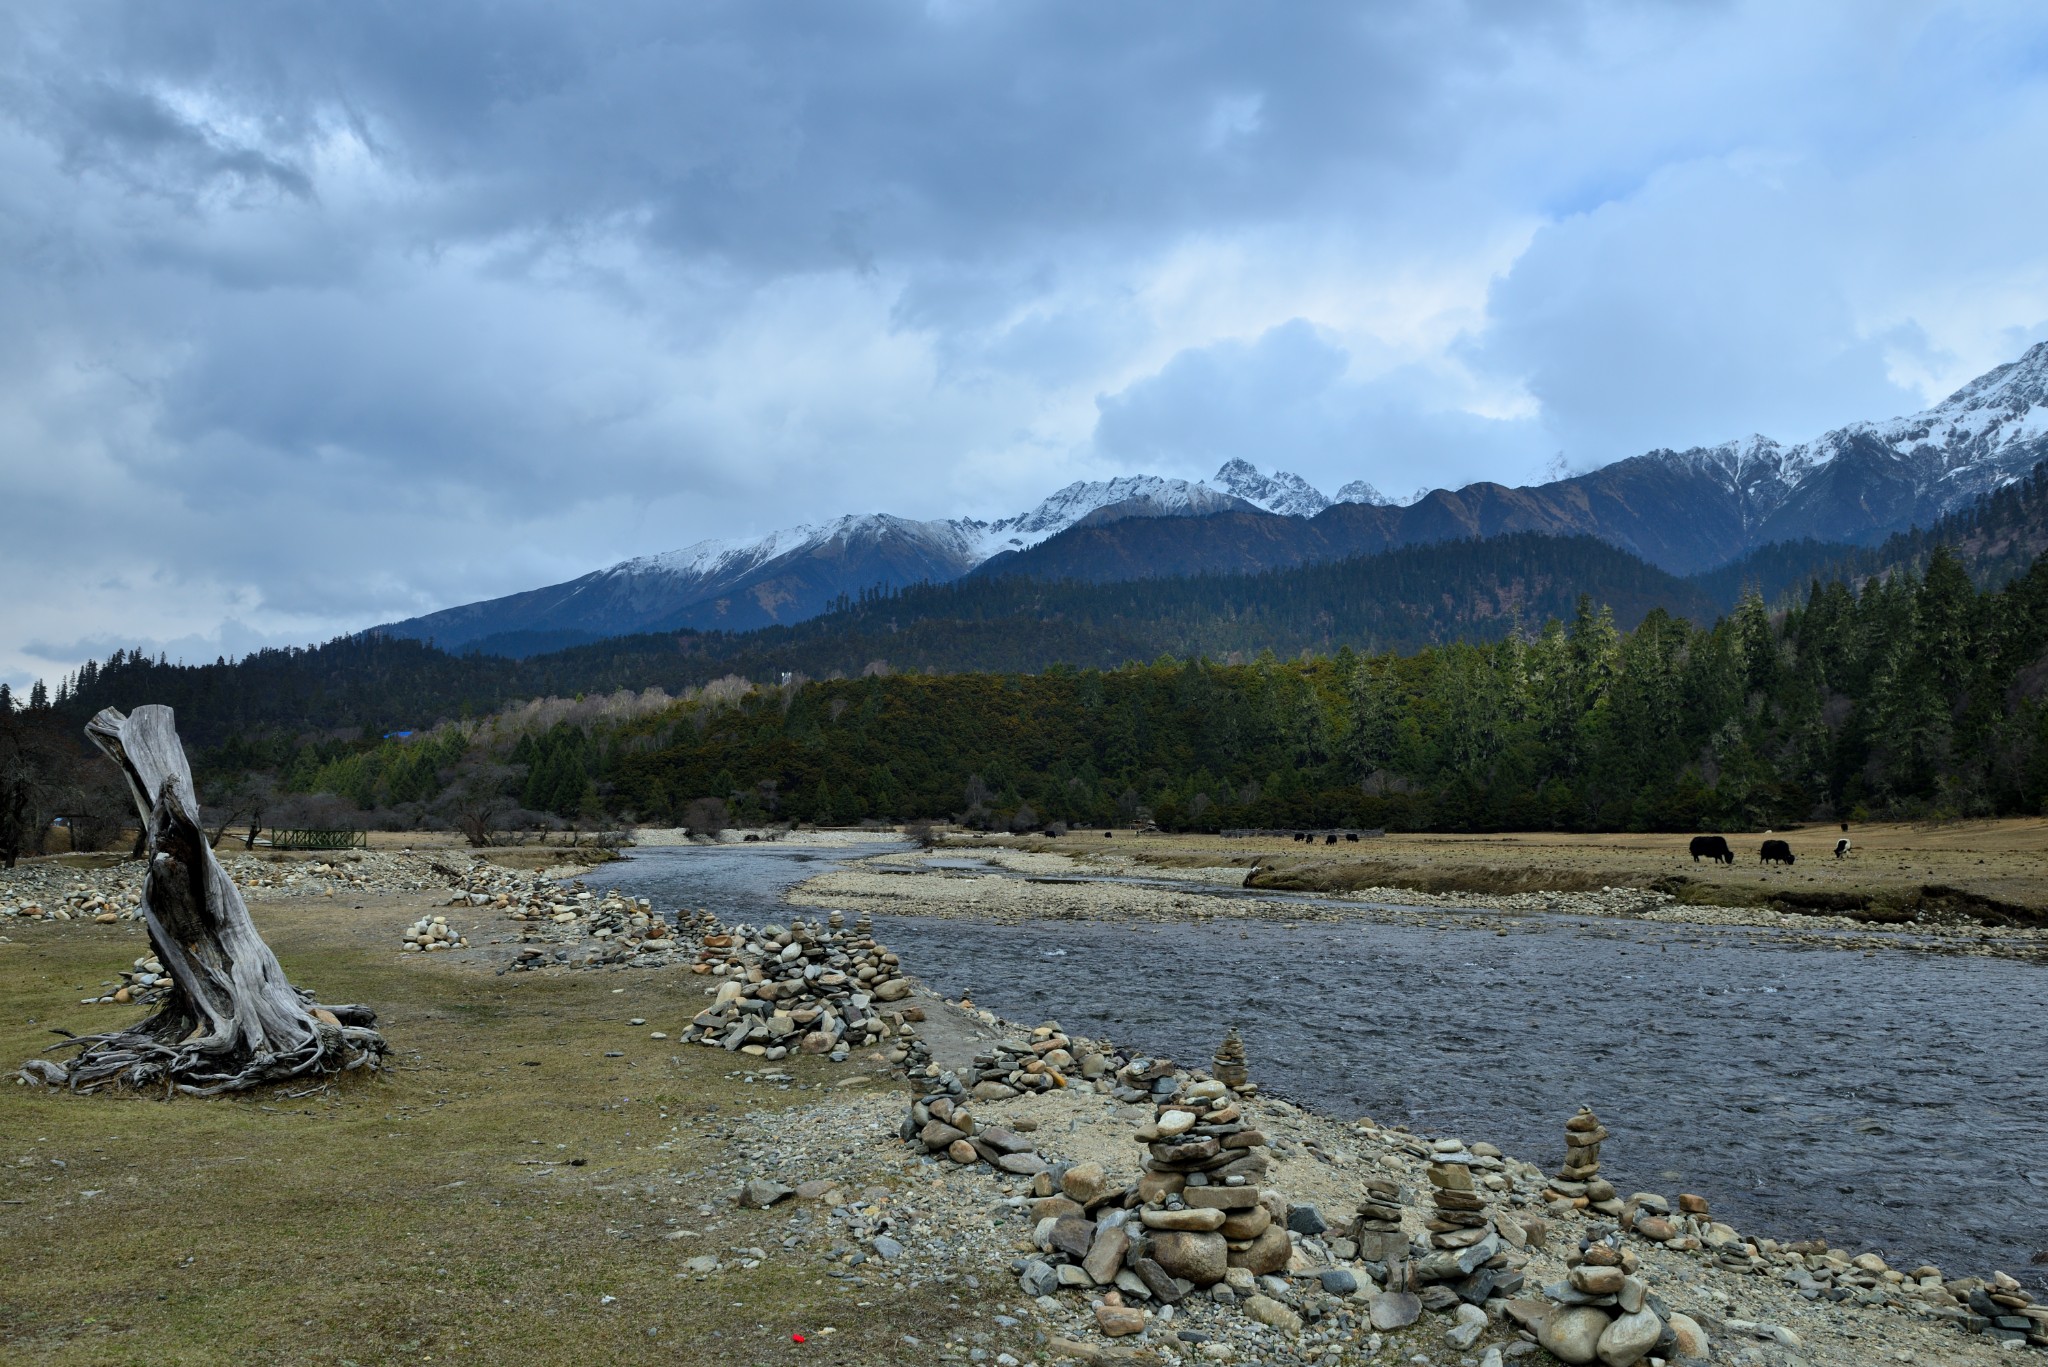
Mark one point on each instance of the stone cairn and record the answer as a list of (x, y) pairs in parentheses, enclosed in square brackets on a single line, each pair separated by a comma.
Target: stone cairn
[(143, 984), (1578, 1183), (581, 930), (1228, 1066), (433, 933), (804, 988), (1201, 1207), (943, 1124), (1469, 1258), (1603, 1311), (1049, 1059), (1196, 1220)]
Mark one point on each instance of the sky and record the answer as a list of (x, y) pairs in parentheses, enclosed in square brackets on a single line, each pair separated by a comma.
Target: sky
[(319, 315)]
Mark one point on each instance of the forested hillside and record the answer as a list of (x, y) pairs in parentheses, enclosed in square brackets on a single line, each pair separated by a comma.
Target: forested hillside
[(1914, 695), (1400, 601)]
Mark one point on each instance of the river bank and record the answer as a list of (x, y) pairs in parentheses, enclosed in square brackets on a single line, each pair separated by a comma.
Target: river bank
[(546, 1160)]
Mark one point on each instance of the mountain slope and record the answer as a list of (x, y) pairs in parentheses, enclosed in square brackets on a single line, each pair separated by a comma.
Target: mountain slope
[(1684, 511)]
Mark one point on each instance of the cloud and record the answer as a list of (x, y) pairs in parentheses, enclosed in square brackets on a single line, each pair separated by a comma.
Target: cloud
[(315, 316)]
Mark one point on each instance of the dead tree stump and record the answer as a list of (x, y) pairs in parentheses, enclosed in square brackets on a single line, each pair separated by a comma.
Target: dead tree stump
[(232, 1019)]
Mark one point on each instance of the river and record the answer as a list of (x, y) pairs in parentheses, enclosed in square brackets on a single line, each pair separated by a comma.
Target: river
[(1885, 1101)]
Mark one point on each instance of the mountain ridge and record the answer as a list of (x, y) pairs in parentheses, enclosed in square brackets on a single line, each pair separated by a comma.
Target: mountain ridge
[(1686, 512)]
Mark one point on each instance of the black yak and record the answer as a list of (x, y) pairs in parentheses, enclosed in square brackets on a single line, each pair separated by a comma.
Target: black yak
[(1713, 847), (1775, 852)]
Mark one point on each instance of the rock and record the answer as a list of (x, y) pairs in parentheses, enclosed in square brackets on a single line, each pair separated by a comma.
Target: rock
[(894, 990), (1273, 1314), (993, 1091), (1115, 1321), (759, 1193), (1597, 1281), (1174, 1123), (1039, 1278), (1305, 1220), (819, 1189), (1471, 1323), (1572, 1333), (1268, 1253), (1085, 1182), (1022, 1164), (1625, 1341), (1336, 1281), (1106, 1253), (1396, 1310), (1198, 1258), (1072, 1236), (1157, 1280), (1691, 1340), (886, 1248), (1200, 1221), (963, 1151), (1656, 1228), (1221, 1198), (1247, 1224)]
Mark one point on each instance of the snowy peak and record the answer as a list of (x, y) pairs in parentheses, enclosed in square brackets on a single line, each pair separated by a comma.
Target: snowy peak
[(1281, 492), (1173, 497)]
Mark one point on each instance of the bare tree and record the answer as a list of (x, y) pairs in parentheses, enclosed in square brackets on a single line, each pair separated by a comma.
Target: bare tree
[(99, 806), (31, 762), (476, 803), (706, 816), (232, 1019), (237, 797)]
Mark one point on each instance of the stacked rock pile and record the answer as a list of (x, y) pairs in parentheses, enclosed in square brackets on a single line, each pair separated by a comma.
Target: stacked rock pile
[(1578, 1183), (144, 984), (1200, 1202), (1603, 1311), (1228, 1066), (2013, 1316), (433, 933), (943, 1124), (580, 929), (818, 990), (1047, 1060), (1469, 1260), (90, 905)]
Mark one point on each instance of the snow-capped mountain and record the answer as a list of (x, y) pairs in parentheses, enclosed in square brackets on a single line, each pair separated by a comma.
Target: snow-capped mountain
[(1685, 511), (1280, 492)]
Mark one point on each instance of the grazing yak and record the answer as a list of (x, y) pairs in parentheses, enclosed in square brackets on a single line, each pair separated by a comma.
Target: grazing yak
[(1842, 847), (1713, 847), (1775, 852)]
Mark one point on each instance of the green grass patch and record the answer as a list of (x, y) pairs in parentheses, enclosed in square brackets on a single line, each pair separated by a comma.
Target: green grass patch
[(433, 1214)]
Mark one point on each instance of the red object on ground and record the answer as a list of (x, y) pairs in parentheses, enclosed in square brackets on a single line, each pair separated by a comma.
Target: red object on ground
[(796, 1338)]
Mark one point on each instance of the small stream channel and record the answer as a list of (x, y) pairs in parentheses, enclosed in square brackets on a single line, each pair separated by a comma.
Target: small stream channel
[(1889, 1101)]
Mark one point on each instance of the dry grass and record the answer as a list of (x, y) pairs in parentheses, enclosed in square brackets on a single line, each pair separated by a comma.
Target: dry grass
[(404, 1219), (1991, 870)]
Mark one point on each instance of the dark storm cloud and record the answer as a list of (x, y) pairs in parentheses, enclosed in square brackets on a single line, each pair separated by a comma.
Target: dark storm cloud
[(313, 315)]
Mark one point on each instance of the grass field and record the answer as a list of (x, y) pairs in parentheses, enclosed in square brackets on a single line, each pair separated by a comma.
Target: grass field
[(1997, 870), (430, 1215)]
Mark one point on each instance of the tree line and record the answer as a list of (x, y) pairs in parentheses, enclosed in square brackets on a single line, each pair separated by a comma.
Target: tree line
[(1912, 695)]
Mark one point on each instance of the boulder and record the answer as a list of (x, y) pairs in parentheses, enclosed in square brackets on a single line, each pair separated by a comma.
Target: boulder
[(1624, 1342), (1572, 1333), (1268, 1253), (1198, 1258), (1106, 1253), (1395, 1310)]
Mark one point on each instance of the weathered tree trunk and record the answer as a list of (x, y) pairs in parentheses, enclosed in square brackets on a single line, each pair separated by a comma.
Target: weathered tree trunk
[(232, 1019)]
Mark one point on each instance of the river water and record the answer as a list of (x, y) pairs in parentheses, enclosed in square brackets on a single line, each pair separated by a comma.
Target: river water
[(1888, 1101)]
